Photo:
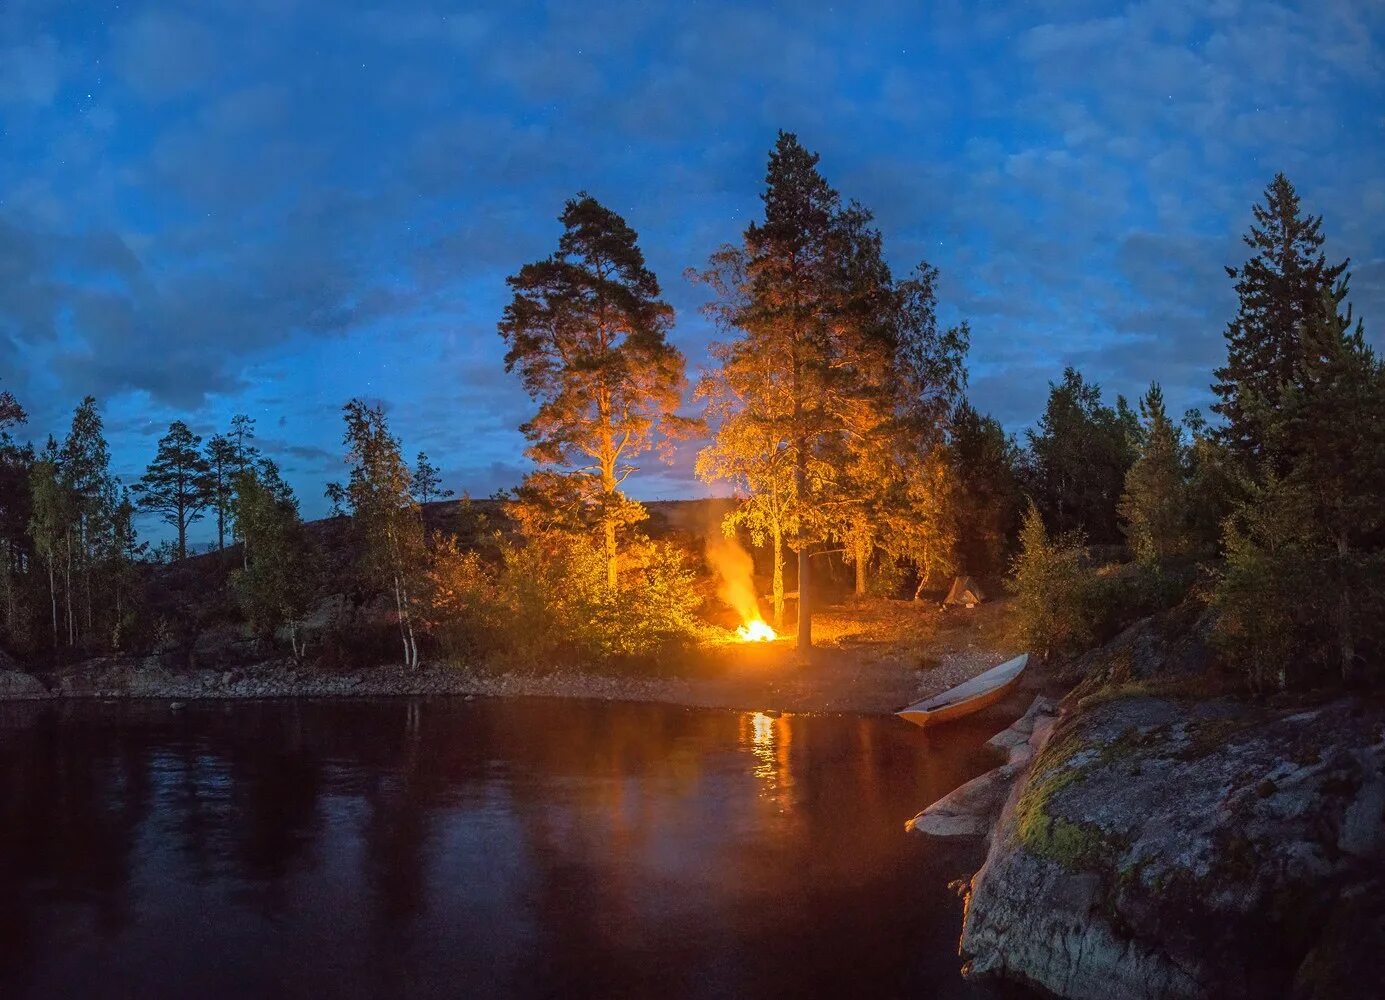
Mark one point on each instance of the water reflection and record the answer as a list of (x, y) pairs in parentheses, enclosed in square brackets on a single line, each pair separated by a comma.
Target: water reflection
[(519, 848)]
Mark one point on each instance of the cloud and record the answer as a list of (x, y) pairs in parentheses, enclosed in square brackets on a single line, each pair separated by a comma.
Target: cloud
[(31, 73), (163, 54), (275, 206)]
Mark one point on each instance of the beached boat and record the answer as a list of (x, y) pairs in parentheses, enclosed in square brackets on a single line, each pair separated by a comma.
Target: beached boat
[(979, 692)]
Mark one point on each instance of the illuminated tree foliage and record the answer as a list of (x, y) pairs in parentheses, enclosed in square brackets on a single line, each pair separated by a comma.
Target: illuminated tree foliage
[(587, 332), (812, 312), (896, 488), (1280, 289), (385, 516), (177, 485)]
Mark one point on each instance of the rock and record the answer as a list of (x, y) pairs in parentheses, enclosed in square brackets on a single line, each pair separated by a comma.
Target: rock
[(1160, 848), (971, 810), (17, 684)]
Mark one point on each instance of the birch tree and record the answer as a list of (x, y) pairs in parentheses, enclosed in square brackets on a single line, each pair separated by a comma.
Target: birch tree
[(385, 514)]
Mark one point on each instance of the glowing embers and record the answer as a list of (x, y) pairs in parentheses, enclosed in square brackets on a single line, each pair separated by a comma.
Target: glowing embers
[(756, 631)]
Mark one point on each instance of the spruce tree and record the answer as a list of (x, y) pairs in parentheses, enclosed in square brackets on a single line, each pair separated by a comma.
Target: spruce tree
[(177, 485), (1078, 458), (989, 496), (1280, 289), (1155, 504)]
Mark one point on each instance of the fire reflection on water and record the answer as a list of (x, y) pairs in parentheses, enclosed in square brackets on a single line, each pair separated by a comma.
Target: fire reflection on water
[(769, 738)]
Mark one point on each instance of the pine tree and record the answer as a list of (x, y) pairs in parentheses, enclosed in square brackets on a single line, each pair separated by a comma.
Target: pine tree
[(1078, 458), (16, 461), (84, 476), (1280, 288), (1052, 602), (587, 331), (48, 523), (223, 463), (428, 481), (989, 497), (177, 485), (1155, 504), (801, 295)]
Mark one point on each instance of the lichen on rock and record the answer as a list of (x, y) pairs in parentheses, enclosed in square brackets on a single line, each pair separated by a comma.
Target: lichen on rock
[(1170, 848)]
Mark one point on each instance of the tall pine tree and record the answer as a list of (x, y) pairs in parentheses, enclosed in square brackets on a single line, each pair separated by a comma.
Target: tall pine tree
[(1280, 290), (177, 485), (588, 333)]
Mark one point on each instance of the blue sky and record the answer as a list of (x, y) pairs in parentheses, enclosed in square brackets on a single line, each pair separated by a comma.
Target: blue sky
[(269, 206)]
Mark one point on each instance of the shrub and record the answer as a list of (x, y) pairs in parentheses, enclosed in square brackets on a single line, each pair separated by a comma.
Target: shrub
[(1052, 590), (1286, 594), (548, 602)]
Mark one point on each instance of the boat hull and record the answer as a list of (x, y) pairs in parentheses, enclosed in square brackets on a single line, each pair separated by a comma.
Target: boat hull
[(957, 710), (964, 700)]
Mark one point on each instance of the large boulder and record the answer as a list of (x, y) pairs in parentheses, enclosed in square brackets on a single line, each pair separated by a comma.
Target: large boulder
[(15, 683), (1162, 848), (971, 810)]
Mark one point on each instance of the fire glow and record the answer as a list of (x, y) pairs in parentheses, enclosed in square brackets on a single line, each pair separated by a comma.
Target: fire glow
[(756, 631), (735, 570)]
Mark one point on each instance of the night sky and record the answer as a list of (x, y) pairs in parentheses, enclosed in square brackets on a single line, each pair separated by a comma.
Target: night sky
[(269, 206)]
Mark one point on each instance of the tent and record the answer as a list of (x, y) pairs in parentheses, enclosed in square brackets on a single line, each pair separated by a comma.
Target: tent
[(965, 591)]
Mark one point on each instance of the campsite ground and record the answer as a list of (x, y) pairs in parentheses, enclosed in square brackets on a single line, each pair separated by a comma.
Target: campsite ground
[(870, 656)]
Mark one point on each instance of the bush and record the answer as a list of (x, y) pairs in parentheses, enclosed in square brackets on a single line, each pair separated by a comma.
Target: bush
[(548, 602), (1119, 594), (1052, 590), (1286, 596)]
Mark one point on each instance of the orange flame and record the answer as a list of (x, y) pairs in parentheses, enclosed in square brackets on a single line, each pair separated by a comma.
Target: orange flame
[(735, 571)]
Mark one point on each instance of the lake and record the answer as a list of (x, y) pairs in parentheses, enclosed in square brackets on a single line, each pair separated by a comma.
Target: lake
[(525, 848)]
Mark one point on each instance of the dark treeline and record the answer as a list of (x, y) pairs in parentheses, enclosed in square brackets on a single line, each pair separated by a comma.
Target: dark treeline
[(837, 411)]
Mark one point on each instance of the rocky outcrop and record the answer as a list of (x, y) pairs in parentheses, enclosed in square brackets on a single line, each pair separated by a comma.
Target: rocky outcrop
[(15, 683), (971, 810), (1161, 848)]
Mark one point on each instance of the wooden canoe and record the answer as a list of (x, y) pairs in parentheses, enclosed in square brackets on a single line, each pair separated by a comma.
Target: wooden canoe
[(981, 691)]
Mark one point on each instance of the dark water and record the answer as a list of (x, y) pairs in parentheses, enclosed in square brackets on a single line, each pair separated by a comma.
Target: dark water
[(497, 848)]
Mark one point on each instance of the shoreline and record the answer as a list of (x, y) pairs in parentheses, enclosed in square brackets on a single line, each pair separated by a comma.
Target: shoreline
[(276, 681), (780, 687)]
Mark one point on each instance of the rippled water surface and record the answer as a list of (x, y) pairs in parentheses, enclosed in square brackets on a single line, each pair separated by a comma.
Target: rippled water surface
[(521, 848)]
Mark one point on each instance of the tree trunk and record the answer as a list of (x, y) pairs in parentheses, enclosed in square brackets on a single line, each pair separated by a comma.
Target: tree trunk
[(861, 556), (403, 629), (778, 578), (612, 577), (67, 593), (805, 618), (1346, 640), (53, 596)]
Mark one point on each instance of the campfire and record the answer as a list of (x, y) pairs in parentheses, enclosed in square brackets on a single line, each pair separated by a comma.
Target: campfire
[(736, 586), (757, 630)]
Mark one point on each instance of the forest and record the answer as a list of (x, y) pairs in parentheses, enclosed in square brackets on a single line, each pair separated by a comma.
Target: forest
[(836, 411)]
